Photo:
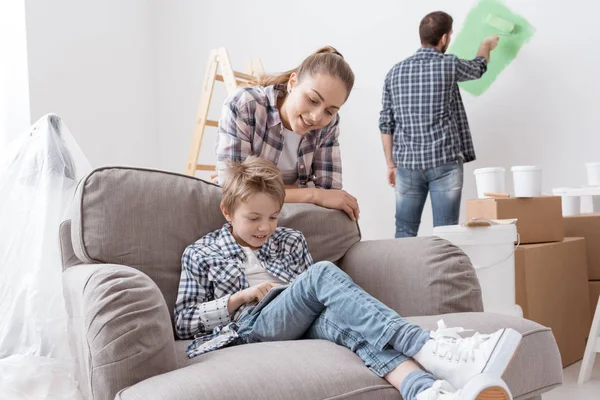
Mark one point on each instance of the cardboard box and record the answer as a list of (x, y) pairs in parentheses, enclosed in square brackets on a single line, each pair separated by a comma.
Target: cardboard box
[(552, 289), (587, 226), (594, 295), (539, 218)]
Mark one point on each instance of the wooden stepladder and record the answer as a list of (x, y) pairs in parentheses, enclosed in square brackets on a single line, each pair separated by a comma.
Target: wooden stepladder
[(591, 349), (217, 58)]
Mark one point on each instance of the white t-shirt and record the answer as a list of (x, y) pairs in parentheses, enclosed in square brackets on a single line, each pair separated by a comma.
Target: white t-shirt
[(288, 159), (254, 270)]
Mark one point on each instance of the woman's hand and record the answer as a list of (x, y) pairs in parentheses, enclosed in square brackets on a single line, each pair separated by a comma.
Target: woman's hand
[(338, 200), (214, 177)]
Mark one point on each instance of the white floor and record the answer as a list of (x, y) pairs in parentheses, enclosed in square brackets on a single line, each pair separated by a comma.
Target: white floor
[(570, 390)]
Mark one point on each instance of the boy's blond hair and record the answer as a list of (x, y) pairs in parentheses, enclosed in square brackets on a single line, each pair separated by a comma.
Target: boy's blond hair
[(253, 175)]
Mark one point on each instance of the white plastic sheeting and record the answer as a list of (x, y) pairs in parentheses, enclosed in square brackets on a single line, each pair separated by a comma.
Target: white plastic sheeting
[(39, 172)]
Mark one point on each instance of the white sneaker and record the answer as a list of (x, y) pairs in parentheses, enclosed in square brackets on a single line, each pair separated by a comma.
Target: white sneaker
[(441, 390), (449, 357), (481, 387)]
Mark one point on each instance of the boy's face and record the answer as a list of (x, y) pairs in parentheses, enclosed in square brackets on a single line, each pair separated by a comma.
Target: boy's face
[(254, 221)]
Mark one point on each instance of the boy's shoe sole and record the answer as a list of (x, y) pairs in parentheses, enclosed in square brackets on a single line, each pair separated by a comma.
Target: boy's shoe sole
[(494, 393), (486, 387)]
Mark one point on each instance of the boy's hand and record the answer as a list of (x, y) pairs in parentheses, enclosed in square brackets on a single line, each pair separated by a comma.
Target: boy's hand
[(257, 292), (249, 295)]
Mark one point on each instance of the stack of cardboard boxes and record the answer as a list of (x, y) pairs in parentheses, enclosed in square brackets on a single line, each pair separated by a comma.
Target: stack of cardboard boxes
[(551, 270), (588, 226)]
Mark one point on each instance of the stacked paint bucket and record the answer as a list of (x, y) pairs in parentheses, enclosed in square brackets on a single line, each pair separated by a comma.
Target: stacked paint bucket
[(576, 201)]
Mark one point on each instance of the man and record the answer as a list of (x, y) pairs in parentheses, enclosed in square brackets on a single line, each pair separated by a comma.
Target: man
[(424, 128)]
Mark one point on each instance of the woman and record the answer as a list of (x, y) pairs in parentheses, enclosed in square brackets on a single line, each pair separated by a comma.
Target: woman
[(292, 120)]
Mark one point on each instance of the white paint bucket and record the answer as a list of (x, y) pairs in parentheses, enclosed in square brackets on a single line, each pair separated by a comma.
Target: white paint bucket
[(490, 180), (570, 199), (492, 252), (590, 200), (527, 181), (593, 173)]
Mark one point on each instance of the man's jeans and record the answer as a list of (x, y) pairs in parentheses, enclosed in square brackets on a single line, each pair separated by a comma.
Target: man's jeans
[(324, 303), (445, 184)]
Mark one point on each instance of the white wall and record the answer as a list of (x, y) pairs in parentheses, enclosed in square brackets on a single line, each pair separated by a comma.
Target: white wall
[(14, 82), (93, 63), (541, 109)]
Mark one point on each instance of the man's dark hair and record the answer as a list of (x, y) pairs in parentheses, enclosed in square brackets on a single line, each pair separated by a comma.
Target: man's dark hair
[(434, 26)]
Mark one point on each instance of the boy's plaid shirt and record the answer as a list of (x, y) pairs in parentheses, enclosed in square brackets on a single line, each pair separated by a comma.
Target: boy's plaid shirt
[(250, 125), (212, 270)]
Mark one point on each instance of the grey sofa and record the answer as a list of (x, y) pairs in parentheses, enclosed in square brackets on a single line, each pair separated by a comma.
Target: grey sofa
[(121, 252)]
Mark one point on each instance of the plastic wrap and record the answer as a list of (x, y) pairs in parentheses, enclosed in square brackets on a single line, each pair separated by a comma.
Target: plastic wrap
[(39, 172)]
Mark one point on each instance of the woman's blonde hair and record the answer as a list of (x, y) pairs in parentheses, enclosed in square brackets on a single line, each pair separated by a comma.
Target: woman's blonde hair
[(326, 60), (253, 175)]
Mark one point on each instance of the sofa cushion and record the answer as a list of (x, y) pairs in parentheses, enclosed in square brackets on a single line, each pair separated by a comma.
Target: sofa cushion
[(145, 219), (329, 233), (303, 369), (415, 276), (119, 328), (316, 369)]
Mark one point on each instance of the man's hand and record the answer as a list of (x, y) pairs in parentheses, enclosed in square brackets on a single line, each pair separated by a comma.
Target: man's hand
[(391, 176), (491, 41), (338, 200), (488, 44)]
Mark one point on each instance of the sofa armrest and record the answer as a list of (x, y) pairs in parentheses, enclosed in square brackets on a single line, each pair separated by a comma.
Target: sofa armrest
[(119, 328), (415, 276)]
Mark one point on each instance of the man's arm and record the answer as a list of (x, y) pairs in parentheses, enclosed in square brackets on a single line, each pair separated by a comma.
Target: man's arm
[(387, 127), (487, 46), (387, 124), (388, 144), (468, 70)]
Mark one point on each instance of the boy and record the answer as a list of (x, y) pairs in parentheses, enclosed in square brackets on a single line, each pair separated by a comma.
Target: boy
[(227, 271)]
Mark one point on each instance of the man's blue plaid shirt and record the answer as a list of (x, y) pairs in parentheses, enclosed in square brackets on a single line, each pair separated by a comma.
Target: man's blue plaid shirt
[(423, 109)]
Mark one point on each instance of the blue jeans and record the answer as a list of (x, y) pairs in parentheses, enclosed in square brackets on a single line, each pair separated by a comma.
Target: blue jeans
[(444, 182), (324, 303)]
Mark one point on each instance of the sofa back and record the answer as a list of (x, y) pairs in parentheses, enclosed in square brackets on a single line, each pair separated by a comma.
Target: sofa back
[(146, 218)]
